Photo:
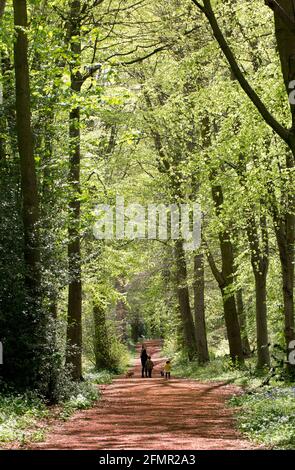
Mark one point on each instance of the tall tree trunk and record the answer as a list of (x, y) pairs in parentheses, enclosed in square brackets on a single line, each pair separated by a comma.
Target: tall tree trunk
[(199, 308), (30, 207), (284, 234), (2, 116), (232, 326), (74, 330), (225, 277), (101, 341), (2, 133), (183, 300), (243, 323), (257, 234), (225, 280), (284, 14), (165, 165), (284, 226), (32, 319), (285, 36), (121, 310), (259, 261), (263, 357)]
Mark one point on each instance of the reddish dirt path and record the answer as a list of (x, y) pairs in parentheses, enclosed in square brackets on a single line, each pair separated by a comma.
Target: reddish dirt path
[(144, 414)]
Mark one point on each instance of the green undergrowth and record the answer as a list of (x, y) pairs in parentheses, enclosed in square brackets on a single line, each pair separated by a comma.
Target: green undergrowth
[(19, 415), (217, 370), (265, 413), (24, 417), (267, 416)]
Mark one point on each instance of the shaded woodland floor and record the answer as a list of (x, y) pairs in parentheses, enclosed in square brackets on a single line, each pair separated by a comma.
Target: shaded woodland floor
[(136, 413)]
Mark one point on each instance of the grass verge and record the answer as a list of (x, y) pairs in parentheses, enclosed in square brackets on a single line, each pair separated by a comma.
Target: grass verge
[(265, 414), (24, 417)]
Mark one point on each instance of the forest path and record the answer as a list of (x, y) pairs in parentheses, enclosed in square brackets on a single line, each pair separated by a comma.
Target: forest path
[(136, 413)]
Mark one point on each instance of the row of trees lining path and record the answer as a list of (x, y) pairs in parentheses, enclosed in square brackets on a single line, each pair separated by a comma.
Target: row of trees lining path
[(178, 103), (136, 413)]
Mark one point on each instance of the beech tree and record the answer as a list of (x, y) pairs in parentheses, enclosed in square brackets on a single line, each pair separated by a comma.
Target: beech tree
[(25, 145), (199, 307)]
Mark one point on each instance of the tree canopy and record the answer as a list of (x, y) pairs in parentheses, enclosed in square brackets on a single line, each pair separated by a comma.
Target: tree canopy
[(156, 106)]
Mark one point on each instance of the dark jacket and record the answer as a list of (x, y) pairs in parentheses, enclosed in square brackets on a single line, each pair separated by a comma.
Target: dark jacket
[(143, 356), (149, 364)]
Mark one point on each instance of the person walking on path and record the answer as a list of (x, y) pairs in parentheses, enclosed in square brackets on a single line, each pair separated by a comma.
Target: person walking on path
[(149, 365), (167, 369), (143, 357)]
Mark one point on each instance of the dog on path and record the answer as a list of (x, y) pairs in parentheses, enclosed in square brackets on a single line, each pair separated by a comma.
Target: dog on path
[(129, 374)]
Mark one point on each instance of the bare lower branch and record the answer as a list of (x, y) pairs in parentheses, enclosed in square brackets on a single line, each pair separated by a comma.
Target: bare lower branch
[(90, 71), (141, 59), (198, 5), (215, 271), (122, 54)]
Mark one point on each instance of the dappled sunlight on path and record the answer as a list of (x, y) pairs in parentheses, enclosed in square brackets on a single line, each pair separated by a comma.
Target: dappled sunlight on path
[(137, 413)]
